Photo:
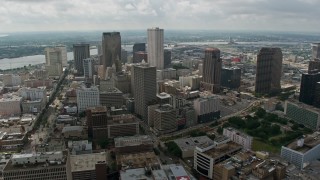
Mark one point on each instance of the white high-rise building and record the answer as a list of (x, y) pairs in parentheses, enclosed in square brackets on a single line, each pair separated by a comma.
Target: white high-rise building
[(88, 67), (155, 48), (87, 97), (53, 61), (63, 49)]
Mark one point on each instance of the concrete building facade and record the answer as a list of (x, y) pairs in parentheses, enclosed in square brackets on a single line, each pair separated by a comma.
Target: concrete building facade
[(165, 119), (238, 137), (144, 89), (155, 47), (87, 97), (303, 114), (88, 68)]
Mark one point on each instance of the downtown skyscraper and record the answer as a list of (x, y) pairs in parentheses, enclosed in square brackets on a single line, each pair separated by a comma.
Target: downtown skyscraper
[(145, 88), (269, 70), (155, 48), (211, 70), (111, 50), (80, 52)]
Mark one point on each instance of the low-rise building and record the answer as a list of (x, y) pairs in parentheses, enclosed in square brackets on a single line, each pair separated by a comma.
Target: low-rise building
[(12, 141), (303, 151), (50, 165), (187, 145), (165, 172), (133, 144), (138, 160), (75, 132), (34, 83), (112, 97), (303, 114), (207, 155), (89, 166), (207, 107), (87, 97), (10, 105), (238, 137), (122, 125)]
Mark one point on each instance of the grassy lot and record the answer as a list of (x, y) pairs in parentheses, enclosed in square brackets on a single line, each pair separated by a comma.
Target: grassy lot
[(258, 145)]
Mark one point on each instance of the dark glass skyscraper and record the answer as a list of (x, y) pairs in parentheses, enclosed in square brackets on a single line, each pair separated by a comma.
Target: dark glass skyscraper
[(269, 70), (80, 52), (308, 88), (111, 50), (139, 47), (231, 77), (211, 70)]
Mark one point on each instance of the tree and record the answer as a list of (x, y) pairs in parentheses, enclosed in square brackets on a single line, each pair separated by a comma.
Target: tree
[(260, 112), (103, 143), (174, 149)]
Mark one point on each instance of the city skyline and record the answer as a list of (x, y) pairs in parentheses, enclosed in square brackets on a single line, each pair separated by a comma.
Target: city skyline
[(29, 15)]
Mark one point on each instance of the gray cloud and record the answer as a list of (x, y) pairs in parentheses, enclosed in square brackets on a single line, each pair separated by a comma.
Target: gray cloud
[(43, 15)]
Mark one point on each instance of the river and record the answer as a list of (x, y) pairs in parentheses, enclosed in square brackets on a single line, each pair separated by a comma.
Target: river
[(33, 60)]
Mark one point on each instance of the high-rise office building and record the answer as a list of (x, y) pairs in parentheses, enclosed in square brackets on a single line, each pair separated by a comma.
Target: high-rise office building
[(88, 68), (165, 119), (316, 51), (231, 77), (87, 97), (211, 70), (64, 54), (155, 48), (314, 66), (54, 59), (124, 56), (144, 89), (111, 50), (269, 70), (308, 87), (139, 47), (167, 58), (80, 52), (97, 122), (139, 56)]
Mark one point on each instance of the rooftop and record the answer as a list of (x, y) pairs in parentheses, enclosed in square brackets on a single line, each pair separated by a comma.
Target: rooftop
[(304, 144), (132, 141), (134, 174), (159, 175), (97, 109), (41, 156), (186, 144), (72, 128), (121, 119), (86, 162), (111, 91), (223, 149), (138, 160)]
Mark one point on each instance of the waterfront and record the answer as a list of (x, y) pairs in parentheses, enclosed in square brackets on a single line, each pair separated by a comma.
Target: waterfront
[(33, 60)]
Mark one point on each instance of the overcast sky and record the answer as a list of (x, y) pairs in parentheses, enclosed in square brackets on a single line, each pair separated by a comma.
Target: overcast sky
[(59, 15)]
